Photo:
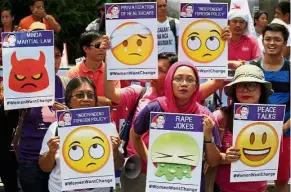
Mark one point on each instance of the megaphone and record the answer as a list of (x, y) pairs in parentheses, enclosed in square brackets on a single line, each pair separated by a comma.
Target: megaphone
[(132, 166)]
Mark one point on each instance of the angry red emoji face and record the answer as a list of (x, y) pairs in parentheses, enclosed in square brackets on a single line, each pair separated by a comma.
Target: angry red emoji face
[(28, 75)]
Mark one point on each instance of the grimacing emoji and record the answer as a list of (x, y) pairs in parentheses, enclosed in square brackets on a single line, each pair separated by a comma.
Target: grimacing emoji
[(201, 41), (175, 155), (86, 149), (258, 144), (131, 48)]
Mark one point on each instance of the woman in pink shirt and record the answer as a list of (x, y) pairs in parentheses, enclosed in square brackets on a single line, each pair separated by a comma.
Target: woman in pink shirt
[(249, 86)]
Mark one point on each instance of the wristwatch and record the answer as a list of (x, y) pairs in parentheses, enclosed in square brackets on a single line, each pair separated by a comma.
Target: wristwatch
[(211, 140)]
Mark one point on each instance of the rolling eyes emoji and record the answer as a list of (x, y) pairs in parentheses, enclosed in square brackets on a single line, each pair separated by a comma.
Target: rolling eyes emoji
[(28, 75)]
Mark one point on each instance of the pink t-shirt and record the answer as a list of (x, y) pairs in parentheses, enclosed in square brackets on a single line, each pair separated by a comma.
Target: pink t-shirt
[(129, 96), (223, 170), (246, 49)]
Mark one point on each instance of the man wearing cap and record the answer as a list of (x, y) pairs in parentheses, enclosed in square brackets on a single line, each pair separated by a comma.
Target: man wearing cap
[(242, 47), (39, 14), (277, 71)]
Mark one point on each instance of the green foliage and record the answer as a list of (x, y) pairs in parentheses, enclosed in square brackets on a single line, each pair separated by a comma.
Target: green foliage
[(73, 16), (5, 3)]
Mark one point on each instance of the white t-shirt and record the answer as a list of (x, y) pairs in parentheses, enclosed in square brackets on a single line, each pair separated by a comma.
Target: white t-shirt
[(166, 38), (55, 184)]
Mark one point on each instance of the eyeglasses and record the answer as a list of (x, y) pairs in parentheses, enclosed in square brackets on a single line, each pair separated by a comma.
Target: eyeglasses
[(96, 45), (83, 95), (180, 80), (249, 86)]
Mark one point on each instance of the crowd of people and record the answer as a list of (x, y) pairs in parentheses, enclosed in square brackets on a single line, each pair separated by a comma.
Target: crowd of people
[(262, 76)]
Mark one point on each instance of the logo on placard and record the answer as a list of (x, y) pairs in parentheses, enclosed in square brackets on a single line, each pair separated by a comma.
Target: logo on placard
[(201, 41), (158, 121), (258, 143), (9, 40), (242, 112), (28, 75), (113, 12), (187, 11), (175, 155), (86, 149), (132, 43), (65, 119)]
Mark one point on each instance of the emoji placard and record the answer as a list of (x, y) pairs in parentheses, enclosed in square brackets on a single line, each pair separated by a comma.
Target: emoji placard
[(28, 69), (257, 132), (200, 42), (133, 41), (85, 148), (175, 152)]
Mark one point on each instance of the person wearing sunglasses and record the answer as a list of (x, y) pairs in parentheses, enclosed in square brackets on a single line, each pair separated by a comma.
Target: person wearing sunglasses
[(248, 86), (80, 93), (93, 47)]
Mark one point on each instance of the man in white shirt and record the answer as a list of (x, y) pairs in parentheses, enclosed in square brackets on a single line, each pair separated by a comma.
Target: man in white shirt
[(283, 12), (168, 29)]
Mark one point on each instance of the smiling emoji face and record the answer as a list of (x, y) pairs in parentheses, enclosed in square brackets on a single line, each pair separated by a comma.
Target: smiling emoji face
[(201, 41), (258, 143), (86, 149), (130, 48)]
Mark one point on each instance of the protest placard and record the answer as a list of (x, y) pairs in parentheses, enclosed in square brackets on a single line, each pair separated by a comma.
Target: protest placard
[(201, 26), (28, 69), (132, 28), (257, 132), (86, 154), (175, 152)]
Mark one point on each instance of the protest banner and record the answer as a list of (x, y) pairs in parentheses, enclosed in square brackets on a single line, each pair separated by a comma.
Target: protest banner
[(175, 152), (257, 132), (133, 38), (200, 42), (86, 154), (28, 69)]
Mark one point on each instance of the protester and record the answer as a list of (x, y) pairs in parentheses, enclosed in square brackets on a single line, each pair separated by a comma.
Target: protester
[(261, 20), (39, 14), (283, 12), (8, 163), (99, 23), (168, 29), (250, 87), (49, 160), (242, 47), (93, 46), (7, 20), (35, 124), (181, 96), (277, 71)]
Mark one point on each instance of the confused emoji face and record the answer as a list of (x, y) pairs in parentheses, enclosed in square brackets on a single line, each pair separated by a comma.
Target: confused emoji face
[(130, 48), (86, 149), (201, 41), (258, 143), (175, 155)]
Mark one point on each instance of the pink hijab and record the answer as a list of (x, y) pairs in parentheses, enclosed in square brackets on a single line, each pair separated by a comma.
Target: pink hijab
[(168, 102)]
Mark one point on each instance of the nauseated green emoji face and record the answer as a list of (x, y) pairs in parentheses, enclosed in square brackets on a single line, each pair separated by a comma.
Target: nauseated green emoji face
[(175, 155)]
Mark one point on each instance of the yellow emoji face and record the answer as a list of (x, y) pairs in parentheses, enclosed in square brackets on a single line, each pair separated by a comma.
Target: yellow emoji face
[(258, 143), (130, 48), (86, 149), (201, 41)]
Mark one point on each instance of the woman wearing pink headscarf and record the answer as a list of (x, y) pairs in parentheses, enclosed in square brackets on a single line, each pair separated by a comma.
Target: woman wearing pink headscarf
[(181, 96)]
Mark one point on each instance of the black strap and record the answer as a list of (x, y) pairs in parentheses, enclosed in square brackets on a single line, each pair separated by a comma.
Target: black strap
[(174, 30)]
